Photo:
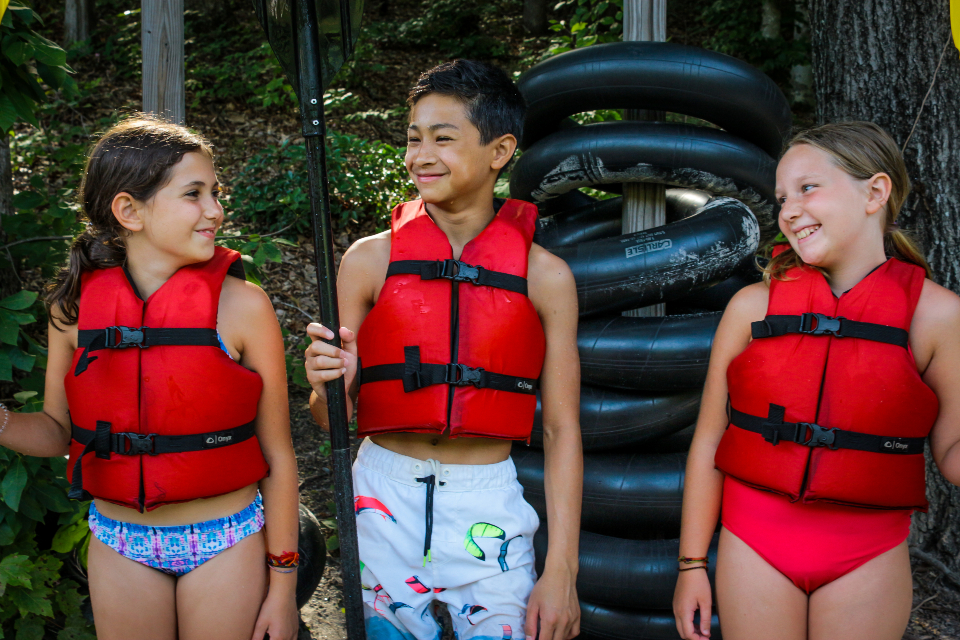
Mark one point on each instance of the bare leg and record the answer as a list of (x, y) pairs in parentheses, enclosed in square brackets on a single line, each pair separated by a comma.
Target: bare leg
[(130, 600), (872, 601), (221, 598), (754, 600)]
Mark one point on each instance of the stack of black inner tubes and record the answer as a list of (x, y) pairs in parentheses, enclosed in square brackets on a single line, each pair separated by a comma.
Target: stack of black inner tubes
[(642, 377)]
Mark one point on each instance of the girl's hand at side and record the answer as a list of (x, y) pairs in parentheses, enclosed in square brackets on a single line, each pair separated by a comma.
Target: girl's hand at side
[(692, 593), (324, 362), (278, 617)]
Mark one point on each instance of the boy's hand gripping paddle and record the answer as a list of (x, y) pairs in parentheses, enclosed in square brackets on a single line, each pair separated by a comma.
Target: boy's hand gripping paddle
[(312, 39)]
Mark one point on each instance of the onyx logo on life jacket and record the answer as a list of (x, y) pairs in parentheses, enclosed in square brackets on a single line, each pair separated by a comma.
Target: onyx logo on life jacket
[(867, 444), (453, 345)]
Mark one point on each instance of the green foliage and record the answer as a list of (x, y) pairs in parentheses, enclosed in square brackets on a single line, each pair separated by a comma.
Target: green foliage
[(27, 60), (590, 22), (366, 179), (734, 28), (450, 26)]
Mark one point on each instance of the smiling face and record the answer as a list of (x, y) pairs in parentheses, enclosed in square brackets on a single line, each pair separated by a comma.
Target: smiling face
[(445, 158), (827, 215), (179, 223)]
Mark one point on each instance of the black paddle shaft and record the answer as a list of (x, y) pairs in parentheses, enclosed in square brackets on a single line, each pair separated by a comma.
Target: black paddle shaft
[(311, 112)]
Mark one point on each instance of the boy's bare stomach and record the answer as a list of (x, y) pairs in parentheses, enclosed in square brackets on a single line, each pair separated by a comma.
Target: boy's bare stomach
[(444, 449), (182, 513)]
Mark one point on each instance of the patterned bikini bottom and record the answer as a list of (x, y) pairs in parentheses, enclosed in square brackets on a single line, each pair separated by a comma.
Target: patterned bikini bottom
[(176, 550)]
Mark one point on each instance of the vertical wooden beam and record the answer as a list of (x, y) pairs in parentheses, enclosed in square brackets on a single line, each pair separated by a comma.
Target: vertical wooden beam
[(644, 205), (163, 67), (78, 21)]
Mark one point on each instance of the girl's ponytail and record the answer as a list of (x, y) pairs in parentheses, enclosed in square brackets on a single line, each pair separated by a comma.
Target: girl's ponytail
[(862, 149), (134, 157)]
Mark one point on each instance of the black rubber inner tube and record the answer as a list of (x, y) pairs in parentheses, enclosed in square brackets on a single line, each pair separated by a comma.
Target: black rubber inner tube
[(668, 353), (313, 556), (716, 297), (659, 76), (602, 218), (610, 419), (676, 155), (626, 495), (660, 264), (598, 622), (628, 574)]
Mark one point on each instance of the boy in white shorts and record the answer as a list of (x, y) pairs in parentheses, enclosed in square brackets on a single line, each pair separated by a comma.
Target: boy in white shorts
[(452, 321)]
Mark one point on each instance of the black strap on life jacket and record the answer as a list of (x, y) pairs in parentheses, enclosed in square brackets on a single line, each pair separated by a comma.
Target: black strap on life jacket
[(818, 324), (124, 337), (458, 272), (103, 443), (416, 375), (774, 430)]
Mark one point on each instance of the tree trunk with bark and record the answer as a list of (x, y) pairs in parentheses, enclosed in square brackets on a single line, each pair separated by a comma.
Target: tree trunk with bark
[(9, 282), (535, 17), (876, 60), (78, 21)]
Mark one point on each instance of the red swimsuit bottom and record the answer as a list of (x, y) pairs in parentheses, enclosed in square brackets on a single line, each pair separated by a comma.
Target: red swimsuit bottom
[(811, 543)]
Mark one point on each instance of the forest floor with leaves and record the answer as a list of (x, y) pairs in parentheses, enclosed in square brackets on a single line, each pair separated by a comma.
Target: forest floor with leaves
[(239, 129)]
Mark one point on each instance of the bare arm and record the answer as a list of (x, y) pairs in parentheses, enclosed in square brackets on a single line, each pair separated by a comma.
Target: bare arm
[(247, 321), (47, 433), (703, 484), (363, 269), (554, 599), (935, 334)]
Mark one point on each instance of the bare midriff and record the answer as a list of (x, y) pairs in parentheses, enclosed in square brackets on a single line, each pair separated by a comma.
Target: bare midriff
[(444, 449), (182, 513)]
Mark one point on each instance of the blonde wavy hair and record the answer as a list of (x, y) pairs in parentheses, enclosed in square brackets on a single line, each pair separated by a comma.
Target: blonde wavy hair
[(861, 149)]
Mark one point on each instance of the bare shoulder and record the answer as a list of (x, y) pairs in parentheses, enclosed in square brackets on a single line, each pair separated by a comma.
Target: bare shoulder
[(245, 300), (549, 279), (61, 334), (372, 250), (937, 310), (750, 303)]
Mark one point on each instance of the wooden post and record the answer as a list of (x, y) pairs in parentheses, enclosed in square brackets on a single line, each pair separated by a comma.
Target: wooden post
[(163, 73), (644, 205), (78, 21)]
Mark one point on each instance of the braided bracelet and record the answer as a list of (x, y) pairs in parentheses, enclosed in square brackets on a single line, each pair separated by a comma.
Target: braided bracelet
[(686, 560), (286, 560), (6, 417), (699, 566)]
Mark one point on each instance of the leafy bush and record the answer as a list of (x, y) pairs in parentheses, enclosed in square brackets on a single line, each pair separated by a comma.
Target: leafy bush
[(366, 179), (590, 23)]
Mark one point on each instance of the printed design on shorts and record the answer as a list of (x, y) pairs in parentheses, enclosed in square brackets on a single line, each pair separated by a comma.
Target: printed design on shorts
[(469, 610), (507, 631), (383, 597), (502, 558), (362, 504), (399, 605), (362, 567), (481, 530), (414, 583)]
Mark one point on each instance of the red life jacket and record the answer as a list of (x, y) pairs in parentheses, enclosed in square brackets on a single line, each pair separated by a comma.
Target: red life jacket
[(828, 409), (170, 421), (450, 345)]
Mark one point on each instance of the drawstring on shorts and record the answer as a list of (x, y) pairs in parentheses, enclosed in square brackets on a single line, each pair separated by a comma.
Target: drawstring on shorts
[(431, 482)]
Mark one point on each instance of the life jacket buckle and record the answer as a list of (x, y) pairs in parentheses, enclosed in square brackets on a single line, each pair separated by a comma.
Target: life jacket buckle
[(461, 375), (129, 337), (825, 325), (819, 437), (464, 272), (140, 444)]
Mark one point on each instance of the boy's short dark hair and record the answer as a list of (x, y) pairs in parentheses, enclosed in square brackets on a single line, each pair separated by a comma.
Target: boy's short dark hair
[(494, 104)]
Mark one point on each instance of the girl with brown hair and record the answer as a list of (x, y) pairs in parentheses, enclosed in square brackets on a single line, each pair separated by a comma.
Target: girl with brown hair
[(824, 381), (166, 382)]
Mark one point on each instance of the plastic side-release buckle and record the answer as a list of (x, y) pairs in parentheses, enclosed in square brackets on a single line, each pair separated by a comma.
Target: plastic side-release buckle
[(460, 271), (140, 443), (819, 436), (825, 325), (461, 375), (129, 337)]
